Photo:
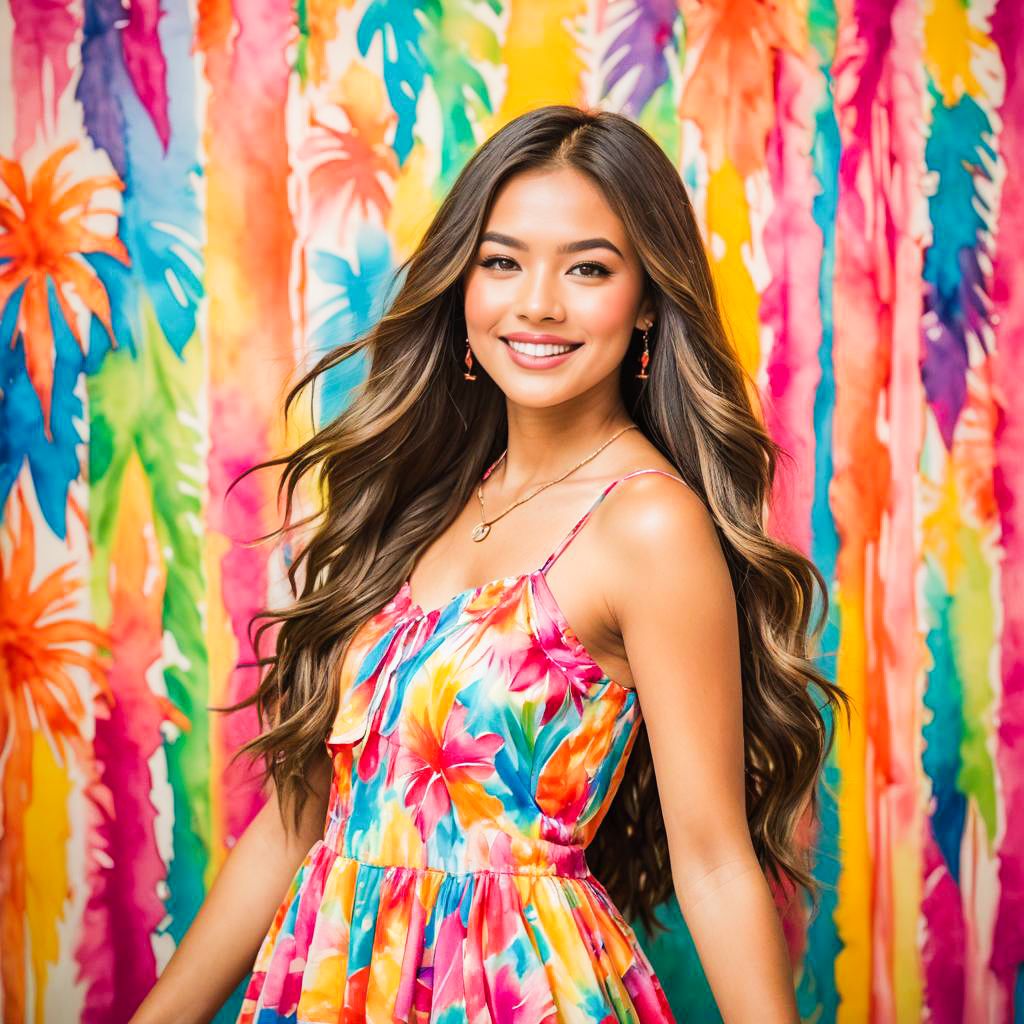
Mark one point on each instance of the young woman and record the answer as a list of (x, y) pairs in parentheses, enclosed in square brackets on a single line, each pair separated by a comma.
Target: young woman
[(539, 613)]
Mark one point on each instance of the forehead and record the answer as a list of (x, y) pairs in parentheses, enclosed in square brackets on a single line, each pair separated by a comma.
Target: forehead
[(556, 206)]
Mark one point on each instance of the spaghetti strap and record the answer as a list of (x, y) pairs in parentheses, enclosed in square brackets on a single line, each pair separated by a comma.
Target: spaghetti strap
[(586, 515)]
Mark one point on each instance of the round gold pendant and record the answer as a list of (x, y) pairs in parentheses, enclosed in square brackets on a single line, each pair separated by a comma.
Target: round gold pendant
[(480, 531)]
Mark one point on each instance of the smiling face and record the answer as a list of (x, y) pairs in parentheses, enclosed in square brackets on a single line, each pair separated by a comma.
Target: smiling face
[(554, 268)]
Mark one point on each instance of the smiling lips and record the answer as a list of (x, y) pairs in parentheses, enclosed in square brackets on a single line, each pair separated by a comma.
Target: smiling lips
[(539, 351), (539, 346)]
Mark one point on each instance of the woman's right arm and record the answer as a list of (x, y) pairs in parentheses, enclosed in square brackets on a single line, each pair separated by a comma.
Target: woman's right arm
[(221, 944)]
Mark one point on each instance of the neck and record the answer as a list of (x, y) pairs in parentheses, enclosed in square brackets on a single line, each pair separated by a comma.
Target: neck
[(543, 444)]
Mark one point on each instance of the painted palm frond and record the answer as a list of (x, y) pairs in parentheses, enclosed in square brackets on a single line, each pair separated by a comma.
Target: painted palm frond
[(47, 229), (41, 39), (146, 64), (48, 448), (354, 305), (643, 44), (399, 24), (962, 163), (122, 54), (102, 66), (347, 158), (729, 93), (144, 408), (129, 72), (455, 40)]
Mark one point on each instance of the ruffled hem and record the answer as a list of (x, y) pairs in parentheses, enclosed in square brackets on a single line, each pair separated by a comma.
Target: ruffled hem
[(358, 942)]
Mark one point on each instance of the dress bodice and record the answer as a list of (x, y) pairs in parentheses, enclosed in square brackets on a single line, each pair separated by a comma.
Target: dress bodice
[(476, 748)]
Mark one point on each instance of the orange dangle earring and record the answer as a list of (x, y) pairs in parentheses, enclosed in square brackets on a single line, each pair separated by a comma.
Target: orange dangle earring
[(469, 363), (645, 357)]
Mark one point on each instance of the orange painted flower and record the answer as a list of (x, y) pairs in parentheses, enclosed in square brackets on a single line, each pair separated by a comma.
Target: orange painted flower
[(36, 642), (45, 233), (36, 690)]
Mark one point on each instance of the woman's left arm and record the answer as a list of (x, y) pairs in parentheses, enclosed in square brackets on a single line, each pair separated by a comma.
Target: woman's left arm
[(670, 591)]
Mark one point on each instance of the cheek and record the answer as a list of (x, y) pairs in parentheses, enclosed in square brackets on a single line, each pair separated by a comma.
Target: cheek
[(607, 313), (484, 303)]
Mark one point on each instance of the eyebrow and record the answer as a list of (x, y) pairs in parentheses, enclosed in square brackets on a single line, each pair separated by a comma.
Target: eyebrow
[(585, 243)]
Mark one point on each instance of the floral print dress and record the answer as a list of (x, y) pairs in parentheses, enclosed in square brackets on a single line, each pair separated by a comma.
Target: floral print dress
[(476, 749)]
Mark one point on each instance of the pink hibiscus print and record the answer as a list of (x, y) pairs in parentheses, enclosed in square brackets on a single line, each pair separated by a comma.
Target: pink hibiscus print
[(526, 1002), (438, 766), (558, 669)]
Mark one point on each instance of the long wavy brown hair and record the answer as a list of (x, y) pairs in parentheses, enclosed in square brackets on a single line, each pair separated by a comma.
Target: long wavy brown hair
[(398, 464)]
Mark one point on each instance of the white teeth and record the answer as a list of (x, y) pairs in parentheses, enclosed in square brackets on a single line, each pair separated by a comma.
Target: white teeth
[(539, 350)]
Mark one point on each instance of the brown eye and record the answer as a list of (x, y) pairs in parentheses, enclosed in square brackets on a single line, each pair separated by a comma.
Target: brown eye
[(597, 268), (493, 261)]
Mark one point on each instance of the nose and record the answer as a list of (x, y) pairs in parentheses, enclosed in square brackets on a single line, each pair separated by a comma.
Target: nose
[(539, 297)]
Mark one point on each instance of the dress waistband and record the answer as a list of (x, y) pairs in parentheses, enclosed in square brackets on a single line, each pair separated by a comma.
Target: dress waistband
[(495, 852)]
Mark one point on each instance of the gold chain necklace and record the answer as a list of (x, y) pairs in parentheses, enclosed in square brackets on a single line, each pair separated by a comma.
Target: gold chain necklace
[(484, 526)]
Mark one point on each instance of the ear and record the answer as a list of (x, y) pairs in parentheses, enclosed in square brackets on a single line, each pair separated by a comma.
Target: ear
[(645, 318)]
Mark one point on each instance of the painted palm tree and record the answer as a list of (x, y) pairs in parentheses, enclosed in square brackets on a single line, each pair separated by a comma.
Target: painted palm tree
[(41, 645), (46, 232)]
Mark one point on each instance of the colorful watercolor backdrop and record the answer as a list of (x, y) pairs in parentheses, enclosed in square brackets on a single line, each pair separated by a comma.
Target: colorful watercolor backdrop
[(194, 202)]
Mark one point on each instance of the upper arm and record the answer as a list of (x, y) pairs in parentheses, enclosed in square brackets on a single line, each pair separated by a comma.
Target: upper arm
[(313, 814), (674, 603)]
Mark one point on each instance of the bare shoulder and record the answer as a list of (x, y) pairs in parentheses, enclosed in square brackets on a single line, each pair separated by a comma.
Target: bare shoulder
[(655, 517), (660, 543)]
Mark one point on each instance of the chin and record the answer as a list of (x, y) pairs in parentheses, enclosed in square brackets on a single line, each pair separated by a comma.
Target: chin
[(538, 398)]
